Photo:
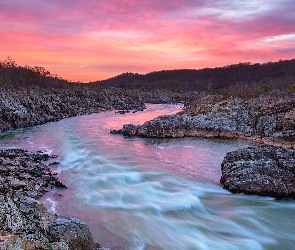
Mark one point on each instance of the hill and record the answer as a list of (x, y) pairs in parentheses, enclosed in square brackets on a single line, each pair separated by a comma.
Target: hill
[(236, 77), (15, 76), (243, 79)]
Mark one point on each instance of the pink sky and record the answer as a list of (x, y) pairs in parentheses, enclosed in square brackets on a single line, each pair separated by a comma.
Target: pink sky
[(93, 40)]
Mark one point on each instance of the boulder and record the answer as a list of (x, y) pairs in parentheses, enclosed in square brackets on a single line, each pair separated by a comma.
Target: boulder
[(260, 170), (71, 231)]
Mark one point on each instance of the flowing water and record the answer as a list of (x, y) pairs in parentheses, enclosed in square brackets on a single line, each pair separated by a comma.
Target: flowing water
[(137, 193)]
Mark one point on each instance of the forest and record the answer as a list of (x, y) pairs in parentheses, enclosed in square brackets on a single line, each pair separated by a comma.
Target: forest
[(14, 75), (241, 77), (238, 79)]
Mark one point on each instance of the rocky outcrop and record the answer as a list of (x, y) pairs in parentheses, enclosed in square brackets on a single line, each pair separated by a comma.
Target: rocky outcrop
[(165, 96), (31, 106), (260, 170), (23, 172), (11, 242), (24, 221), (267, 120)]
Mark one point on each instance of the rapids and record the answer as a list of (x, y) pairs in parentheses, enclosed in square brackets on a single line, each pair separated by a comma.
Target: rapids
[(137, 193)]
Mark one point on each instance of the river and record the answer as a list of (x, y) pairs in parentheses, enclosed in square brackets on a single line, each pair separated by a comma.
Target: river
[(139, 193)]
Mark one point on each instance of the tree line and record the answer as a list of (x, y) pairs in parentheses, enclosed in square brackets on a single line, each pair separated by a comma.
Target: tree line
[(241, 77), (13, 75)]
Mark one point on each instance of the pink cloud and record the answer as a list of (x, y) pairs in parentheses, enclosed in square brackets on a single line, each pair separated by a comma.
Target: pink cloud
[(90, 40)]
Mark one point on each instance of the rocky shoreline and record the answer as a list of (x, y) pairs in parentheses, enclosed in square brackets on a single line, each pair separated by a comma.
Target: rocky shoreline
[(34, 106), (28, 107), (25, 222), (268, 119)]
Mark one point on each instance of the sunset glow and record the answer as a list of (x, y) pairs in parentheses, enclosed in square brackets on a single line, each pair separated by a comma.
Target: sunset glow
[(93, 40)]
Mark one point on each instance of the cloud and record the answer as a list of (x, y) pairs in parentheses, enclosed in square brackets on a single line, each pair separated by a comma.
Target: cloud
[(143, 35)]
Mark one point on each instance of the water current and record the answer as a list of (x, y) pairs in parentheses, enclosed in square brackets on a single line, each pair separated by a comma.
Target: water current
[(137, 193)]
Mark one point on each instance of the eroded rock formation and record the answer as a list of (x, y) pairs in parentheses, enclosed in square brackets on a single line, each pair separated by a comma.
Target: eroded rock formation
[(24, 222), (268, 119), (29, 107), (260, 170)]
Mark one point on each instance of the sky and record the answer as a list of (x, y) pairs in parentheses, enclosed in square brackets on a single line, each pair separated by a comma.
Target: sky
[(97, 39)]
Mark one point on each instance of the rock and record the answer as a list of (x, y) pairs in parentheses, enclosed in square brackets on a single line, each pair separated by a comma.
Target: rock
[(3, 169), (266, 120), (71, 231), (289, 120), (24, 220), (122, 112), (129, 130), (16, 184), (28, 173), (7, 162), (260, 170), (16, 242), (54, 163), (30, 106)]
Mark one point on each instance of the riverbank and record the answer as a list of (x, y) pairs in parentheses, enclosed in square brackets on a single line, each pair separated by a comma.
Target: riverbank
[(27, 107), (265, 120), (34, 106), (25, 222), (268, 119), (141, 195)]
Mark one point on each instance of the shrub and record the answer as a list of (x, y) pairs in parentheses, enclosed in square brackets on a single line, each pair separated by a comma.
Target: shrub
[(264, 89), (175, 90), (292, 87)]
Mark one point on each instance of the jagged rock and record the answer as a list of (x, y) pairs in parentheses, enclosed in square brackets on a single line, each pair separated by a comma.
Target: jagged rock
[(261, 170), (289, 120), (12, 242), (266, 120), (24, 222), (127, 130), (24, 171), (16, 184), (29, 107)]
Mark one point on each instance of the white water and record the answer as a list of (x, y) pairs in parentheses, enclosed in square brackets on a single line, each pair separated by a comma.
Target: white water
[(139, 193)]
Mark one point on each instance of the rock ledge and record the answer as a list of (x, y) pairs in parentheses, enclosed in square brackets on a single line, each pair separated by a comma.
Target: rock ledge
[(260, 170)]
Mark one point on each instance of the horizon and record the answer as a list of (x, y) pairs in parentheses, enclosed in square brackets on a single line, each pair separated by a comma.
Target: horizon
[(52, 74), (91, 41), (211, 68)]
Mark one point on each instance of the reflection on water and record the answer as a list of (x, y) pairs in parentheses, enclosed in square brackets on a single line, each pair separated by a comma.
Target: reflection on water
[(137, 193)]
